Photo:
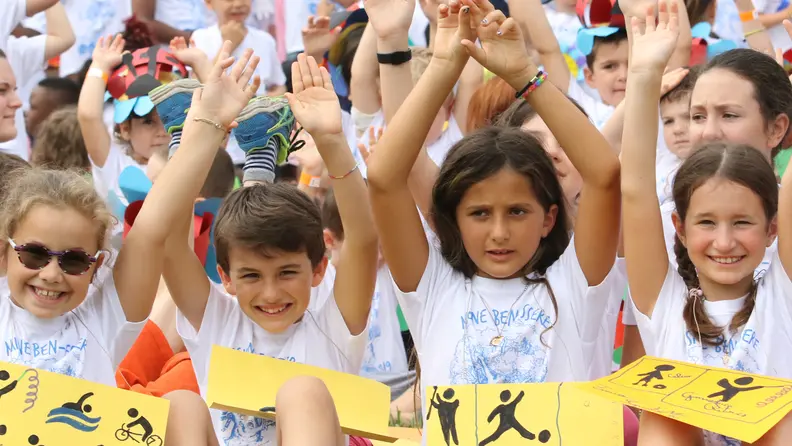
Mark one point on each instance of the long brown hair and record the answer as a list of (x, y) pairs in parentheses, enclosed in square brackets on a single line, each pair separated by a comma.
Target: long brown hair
[(737, 163)]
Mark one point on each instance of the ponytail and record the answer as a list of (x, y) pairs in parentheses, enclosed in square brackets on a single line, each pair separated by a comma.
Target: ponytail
[(696, 319)]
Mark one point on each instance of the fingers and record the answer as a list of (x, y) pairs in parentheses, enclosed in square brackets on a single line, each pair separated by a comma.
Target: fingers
[(662, 14), (117, 44), (326, 80), (223, 61), (493, 18), (297, 81), (252, 89), (316, 74), (475, 52), (305, 72), (249, 72), (508, 28), (364, 152), (239, 67), (650, 22), (673, 17)]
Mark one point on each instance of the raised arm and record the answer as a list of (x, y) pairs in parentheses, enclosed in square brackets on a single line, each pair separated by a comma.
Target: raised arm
[(36, 6), (316, 107), (531, 17), (214, 107), (192, 56), (363, 87), (645, 251), (503, 52), (403, 239), (90, 107), (60, 35), (144, 10)]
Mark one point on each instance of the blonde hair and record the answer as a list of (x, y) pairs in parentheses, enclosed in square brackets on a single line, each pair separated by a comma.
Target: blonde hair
[(56, 188), (60, 144), (421, 56)]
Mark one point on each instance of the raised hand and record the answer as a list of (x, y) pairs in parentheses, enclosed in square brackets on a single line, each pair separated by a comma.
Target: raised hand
[(652, 47), (190, 55), (390, 18), (429, 8), (318, 37), (325, 8), (453, 28), (672, 78), (502, 50), (224, 93), (374, 136), (108, 52), (314, 102)]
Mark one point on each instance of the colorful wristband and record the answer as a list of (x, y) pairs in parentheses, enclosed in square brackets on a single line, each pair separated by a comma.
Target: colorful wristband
[(97, 73), (748, 16), (310, 180), (537, 81)]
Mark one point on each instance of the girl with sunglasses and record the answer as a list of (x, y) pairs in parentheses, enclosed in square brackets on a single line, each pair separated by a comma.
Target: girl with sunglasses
[(53, 230)]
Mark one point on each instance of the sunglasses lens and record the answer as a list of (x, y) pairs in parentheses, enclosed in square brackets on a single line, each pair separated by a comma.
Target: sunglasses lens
[(34, 256), (75, 262)]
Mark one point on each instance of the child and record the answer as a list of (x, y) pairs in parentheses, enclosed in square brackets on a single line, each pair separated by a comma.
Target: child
[(385, 359), (271, 252), (675, 116), (9, 101), (49, 95), (60, 143), (710, 310), (138, 126), (505, 254)]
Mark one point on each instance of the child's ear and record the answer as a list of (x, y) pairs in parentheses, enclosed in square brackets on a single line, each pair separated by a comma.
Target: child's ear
[(319, 272), (589, 76), (549, 220), (772, 233), (124, 129), (679, 226), (227, 283), (329, 239)]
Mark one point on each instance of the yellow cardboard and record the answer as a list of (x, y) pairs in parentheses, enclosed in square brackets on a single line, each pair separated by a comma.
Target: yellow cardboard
[(244, 383), (506, 414), (731, 403), (43, 408)]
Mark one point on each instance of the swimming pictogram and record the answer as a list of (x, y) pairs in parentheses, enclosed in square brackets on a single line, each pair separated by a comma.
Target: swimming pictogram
[(75, 415)]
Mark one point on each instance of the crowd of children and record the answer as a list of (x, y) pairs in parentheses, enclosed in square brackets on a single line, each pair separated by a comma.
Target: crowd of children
[(420, 192)]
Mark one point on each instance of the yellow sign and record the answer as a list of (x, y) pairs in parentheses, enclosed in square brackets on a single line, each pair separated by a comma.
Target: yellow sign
[(731, 403), (506, 414), (245, 383), (43, 408)]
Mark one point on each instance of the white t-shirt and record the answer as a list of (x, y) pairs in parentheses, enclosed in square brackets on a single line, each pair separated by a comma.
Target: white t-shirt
[(26, 56), (602, 362), (90, 19), (451, 321), (183, 15), (761, 347), (420, 22), (565, 27), (321, 339), (87, 343), (209, 40), (105, 178), (12, 12), (778, 35), (598, 112), (439, 149), (385, 349)]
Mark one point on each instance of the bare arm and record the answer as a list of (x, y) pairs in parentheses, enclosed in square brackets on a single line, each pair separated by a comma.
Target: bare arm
[(681, 55), (90, 107), (472, 77), (172, 196), (644, 245), (365, 71), (60, 36), (531, 17), (316, 108), (754, 30), (36, 6), (144, 10)]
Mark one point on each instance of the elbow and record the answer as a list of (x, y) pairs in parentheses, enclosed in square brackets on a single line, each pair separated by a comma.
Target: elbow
[(609, 174)]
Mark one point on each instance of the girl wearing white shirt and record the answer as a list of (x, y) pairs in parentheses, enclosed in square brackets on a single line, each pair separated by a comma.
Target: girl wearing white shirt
[(710, 310), (507, 297)]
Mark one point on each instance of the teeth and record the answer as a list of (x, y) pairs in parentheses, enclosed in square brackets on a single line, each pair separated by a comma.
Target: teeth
[(273, 310), (48, 294), (726, 260)]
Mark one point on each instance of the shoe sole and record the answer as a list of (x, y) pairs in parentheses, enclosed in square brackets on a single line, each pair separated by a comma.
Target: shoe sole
[(262, 104), (160, 94)]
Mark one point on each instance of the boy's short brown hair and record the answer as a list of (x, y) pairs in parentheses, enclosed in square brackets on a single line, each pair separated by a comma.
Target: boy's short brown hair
[(10, 167), (267, 218), (220, 181), (421, 56)]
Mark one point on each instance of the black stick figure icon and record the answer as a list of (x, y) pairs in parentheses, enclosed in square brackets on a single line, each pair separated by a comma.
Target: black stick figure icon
[(657, 373), (142, 422), (508, 420), (80, 405), (729, 391), (4, 376), (446, 412)]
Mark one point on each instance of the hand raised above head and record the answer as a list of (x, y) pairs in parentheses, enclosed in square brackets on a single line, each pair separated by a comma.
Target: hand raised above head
[(653, 45), (108, 52), (390, 18), (314, 102), (225, 93), (453, 27)]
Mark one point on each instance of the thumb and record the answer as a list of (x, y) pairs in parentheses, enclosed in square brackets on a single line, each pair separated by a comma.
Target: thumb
[(293, 102), (475, 52)]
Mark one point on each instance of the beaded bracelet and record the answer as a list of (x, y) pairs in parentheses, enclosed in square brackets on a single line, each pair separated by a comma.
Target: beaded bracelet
[(220, 127), (537, 80), (341, 177)]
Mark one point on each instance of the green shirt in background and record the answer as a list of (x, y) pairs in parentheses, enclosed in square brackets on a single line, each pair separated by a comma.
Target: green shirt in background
[(782, 161)]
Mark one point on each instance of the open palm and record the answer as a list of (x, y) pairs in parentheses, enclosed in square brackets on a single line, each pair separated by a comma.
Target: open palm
[(225, 94), (502, 48), (652, 48), (314, 102), (108, 52)]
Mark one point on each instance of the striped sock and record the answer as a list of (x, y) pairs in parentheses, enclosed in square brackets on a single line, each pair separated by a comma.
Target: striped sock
[(260, 163), (174, 143)]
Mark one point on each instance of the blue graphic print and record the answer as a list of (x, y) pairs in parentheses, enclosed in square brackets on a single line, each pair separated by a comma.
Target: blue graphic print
[(243, 430), (371, 365), (95, 18)]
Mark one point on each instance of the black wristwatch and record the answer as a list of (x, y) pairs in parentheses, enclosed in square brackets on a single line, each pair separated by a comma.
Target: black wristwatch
[(397, 58)]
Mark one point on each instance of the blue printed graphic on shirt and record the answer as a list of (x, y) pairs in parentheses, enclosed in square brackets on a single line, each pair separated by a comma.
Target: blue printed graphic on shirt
[(95, 18), (520, 357), (371, 364), (52, 355)]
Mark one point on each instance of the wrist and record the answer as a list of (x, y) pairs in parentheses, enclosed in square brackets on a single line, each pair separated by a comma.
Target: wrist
[(100, 67), (520, 80), (326, 139), (393, 43)]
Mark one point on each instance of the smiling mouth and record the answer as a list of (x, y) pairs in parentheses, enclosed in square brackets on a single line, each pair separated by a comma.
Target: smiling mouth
[(47, 295), (726, 260), (273, 310)]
